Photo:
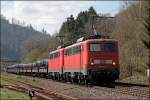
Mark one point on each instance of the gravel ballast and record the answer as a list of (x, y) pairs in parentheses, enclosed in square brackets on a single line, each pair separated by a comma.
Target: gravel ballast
[(81, 92)]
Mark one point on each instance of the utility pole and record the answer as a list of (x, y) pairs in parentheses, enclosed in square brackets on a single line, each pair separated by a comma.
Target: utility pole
[(18, 49), (61, 39), (93, 27)]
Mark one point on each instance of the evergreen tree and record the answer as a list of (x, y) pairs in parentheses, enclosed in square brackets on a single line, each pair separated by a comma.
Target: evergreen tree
[(44, 31), (71, 24), (92, 11), (83, 17), (75, 28), (147, 31)]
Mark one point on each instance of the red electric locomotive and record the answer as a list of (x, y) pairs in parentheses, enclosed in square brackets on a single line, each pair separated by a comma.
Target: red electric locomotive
[(102, 59), (88, 60)]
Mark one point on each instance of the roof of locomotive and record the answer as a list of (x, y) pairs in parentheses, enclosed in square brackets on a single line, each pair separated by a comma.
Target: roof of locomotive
[(101, 39), (57, 50), (87, 39), (91, 40)]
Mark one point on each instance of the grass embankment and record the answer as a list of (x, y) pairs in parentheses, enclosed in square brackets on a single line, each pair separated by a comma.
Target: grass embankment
[(6, 94), (137, 78), (16, 79)]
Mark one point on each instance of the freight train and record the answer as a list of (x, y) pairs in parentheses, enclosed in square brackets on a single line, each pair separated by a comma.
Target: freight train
[(88, 60)]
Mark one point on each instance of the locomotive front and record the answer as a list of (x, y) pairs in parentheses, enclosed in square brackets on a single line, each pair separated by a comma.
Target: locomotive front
[(103, 60)]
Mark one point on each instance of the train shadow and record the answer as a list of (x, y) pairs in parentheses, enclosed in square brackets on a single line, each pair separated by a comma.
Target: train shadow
[(119, 84), (130, 84), (101, 84)]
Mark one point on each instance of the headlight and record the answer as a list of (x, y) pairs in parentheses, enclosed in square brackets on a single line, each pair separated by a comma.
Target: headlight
[(92, 63), (114, 63)]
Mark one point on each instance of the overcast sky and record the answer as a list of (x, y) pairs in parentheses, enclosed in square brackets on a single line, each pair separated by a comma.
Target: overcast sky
[(51, 14)]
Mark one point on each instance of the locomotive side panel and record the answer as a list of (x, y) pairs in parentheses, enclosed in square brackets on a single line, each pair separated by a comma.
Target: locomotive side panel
[(55, 61), (73, 59)]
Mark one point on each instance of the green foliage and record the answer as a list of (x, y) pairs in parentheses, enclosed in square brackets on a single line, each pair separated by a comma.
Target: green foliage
[(92, 11), (137, 78), (12, 79), (83, 17), (75, 28), (7, 94), (32, 56), (147, 31)]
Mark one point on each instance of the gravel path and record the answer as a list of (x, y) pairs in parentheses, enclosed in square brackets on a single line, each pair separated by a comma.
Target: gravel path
[(81, 92)]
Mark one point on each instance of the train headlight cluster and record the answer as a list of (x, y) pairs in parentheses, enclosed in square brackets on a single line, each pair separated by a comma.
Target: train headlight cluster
[(97, 61), (110, 62)]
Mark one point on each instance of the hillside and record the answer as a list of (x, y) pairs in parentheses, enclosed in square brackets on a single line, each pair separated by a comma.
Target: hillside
[(13, 36), (130, 31)]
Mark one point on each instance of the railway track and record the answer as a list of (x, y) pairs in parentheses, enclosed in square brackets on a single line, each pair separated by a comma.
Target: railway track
[(139, 90), (24, 89), (40, 93), (142, 90), (136, 91)]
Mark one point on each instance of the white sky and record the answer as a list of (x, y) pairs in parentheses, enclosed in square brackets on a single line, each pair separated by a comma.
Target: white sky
[(51, 14)]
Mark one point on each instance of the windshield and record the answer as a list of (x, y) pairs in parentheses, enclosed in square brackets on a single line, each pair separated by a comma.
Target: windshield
[(110, 47), (95, 47)]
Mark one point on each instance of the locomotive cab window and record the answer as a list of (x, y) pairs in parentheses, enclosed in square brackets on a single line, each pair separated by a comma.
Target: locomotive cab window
[(73, 50), (95, 47), (77, 49), (51, 56), (110, 47), (54, 55), (68, 51)]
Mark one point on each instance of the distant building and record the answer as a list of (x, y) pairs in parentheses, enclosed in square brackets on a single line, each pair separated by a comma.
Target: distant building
[(7, 62)]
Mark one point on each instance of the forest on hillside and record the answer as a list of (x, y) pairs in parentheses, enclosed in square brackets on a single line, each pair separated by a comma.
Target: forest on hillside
[(73, 28), (127, 27), (15, 38)]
